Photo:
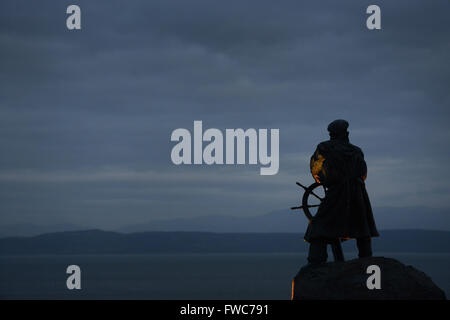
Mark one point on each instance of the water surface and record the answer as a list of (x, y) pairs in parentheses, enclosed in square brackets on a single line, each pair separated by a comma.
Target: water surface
[(175, 276)]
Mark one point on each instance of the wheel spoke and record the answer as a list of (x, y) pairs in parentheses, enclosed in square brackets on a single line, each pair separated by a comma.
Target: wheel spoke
[(313, 205), (300, 185), (315, 195)]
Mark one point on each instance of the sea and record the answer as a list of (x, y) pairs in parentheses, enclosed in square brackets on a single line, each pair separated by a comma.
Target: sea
[(176, 276)]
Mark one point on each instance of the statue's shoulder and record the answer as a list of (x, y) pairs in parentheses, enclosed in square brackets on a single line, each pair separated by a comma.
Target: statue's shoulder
[(338, 146), (324, 145), (356, 150), (327, 146)]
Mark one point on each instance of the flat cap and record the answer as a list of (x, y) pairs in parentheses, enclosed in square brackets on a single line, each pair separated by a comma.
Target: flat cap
[(338, 126)]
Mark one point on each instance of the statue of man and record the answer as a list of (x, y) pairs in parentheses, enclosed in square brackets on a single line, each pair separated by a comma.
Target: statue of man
[(345, 212)]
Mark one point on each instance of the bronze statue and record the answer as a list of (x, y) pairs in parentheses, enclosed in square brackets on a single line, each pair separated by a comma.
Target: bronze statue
[(345, 211)]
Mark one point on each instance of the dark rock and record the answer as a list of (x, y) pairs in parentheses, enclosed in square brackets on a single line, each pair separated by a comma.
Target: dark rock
[(347, 281)]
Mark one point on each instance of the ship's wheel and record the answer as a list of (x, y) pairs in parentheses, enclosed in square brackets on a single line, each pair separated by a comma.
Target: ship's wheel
[(311, 199)]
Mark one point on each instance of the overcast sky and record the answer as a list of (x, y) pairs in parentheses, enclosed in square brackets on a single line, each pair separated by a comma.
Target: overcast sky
[(86, 116)]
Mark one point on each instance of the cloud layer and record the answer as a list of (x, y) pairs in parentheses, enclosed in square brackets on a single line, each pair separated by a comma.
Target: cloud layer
[(86, 117)]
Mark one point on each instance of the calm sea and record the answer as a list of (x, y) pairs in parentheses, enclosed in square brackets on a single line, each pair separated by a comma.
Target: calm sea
[(187, 276)]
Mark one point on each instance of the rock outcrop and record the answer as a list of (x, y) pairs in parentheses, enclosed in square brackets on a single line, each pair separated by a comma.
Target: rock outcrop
[(348, 281)]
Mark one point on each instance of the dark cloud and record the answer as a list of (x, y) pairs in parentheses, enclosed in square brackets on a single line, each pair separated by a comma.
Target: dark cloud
[(86, 117)]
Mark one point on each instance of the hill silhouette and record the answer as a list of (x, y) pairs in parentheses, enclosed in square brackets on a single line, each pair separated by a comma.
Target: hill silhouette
[(280, 221), (293, 221), (107, 242)]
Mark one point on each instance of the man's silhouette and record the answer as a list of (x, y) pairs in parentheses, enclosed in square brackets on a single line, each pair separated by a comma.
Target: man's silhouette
[(345, 211)]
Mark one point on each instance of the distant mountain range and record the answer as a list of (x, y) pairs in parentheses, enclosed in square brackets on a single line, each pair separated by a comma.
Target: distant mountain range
[(107, 242), (281, 221), (29, 229), (294, 221)]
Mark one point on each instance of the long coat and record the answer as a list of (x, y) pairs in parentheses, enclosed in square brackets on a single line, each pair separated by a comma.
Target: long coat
[(345, 211)]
